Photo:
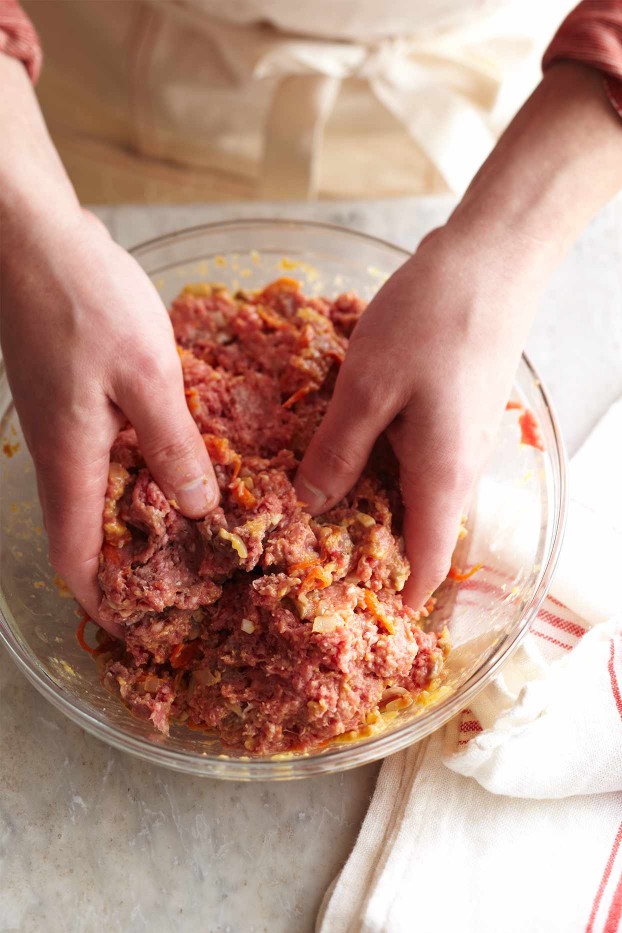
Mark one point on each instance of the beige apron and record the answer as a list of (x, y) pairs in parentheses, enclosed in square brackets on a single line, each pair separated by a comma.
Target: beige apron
[(182, 100)]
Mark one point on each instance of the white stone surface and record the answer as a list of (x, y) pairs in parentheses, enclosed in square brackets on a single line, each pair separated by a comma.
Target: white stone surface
[(91, 839)]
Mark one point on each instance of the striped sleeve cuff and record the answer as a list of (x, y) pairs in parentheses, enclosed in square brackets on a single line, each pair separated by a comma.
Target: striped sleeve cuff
[(592, 34), (18, 37)]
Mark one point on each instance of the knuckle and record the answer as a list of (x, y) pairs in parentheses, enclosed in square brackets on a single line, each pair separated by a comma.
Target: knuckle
[(454, 477), (173, 450), (333, 461), (444, 467), (155, 367), (365, 393)]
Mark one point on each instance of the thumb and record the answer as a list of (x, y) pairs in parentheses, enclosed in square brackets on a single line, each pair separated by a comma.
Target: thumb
[(172, 445), (357, 415)]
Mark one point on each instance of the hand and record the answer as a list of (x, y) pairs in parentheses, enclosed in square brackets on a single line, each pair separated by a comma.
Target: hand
[(88, 344), (431, 362), (432, 359)]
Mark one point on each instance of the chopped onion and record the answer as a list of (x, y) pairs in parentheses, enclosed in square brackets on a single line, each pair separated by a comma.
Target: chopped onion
[(398, 703), (366, 520), (235, 541), (247, 626), (395, 698), (327, 622), (205, 678), (391, 692), (151, 684), (316, 707)]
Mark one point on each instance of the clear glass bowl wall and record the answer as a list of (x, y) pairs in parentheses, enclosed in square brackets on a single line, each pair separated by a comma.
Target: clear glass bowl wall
[(515, 525)]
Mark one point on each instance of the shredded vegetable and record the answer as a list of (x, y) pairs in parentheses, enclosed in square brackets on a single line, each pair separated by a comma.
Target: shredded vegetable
[(80, 635), (529, 430), (298, 395), (461, 575), (184, 654), (375, 607), (242, 495)]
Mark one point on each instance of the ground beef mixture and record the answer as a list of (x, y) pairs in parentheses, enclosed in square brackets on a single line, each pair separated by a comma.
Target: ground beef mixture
[(272, 629)]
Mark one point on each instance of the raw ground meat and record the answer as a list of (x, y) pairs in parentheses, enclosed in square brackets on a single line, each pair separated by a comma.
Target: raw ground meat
[(274, 630)]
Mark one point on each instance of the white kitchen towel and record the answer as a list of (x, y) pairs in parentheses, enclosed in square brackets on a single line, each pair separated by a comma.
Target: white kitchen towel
[(534, 843)]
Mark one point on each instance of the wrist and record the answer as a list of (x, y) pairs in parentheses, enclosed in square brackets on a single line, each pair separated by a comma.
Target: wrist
[(34, 226), (557, 164), (35, 192)]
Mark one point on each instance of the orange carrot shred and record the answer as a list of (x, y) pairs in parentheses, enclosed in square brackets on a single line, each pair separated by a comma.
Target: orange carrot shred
[(80, 635), (316, 579), (183, 654), (242, 495), (297, 395), (192, 400), (375, 607), (303, 565), (196, 726), (272, 319), (284, 284), (529, 430), (221, 452), (461, 576), (513, 405)]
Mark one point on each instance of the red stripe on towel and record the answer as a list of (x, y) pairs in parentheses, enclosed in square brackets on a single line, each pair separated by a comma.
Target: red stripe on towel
[(565, 625), (603, 881), (471, 725), (615, 686), (554, 641), (612, 923)]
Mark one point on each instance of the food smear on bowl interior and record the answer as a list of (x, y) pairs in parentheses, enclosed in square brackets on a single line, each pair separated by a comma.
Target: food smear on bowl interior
[(276, 631)]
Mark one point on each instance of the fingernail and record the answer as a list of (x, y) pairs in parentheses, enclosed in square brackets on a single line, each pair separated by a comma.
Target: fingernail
[(314, 498), (196, 497)]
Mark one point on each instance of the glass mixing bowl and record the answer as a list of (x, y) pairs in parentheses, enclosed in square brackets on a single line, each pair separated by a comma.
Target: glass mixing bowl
[(515, 525)]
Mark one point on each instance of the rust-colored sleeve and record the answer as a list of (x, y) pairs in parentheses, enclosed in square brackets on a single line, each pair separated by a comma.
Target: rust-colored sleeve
[(18, 37), (592, 34)]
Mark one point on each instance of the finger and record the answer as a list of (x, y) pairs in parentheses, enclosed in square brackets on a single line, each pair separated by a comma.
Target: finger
[(72, 483), (435, 483), (431, 526), (358, 413), (171, 442)]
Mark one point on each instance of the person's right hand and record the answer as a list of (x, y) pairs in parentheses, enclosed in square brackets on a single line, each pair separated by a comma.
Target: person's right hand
[(430, 363), (88, 344)]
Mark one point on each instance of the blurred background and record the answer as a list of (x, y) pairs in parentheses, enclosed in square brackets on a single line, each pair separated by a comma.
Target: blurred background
[(198, 100)]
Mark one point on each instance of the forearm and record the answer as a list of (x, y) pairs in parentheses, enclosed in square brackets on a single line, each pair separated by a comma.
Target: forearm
[(33, 182), (557, 164)]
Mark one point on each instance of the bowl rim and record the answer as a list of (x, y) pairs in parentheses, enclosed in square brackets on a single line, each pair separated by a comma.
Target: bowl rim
[(338, 758), (282, 222)]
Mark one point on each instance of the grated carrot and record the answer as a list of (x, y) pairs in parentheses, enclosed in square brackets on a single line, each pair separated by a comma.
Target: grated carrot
[(242, 495), (316, 579), (461, 576), (222, 453), (529, 430), (298, 395), (303, 565), (272, 319), (184, 654), (80, 635), (280, 285), (375, 607)]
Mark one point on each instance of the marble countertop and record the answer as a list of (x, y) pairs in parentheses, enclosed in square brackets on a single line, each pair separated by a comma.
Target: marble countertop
[(92, 839)]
